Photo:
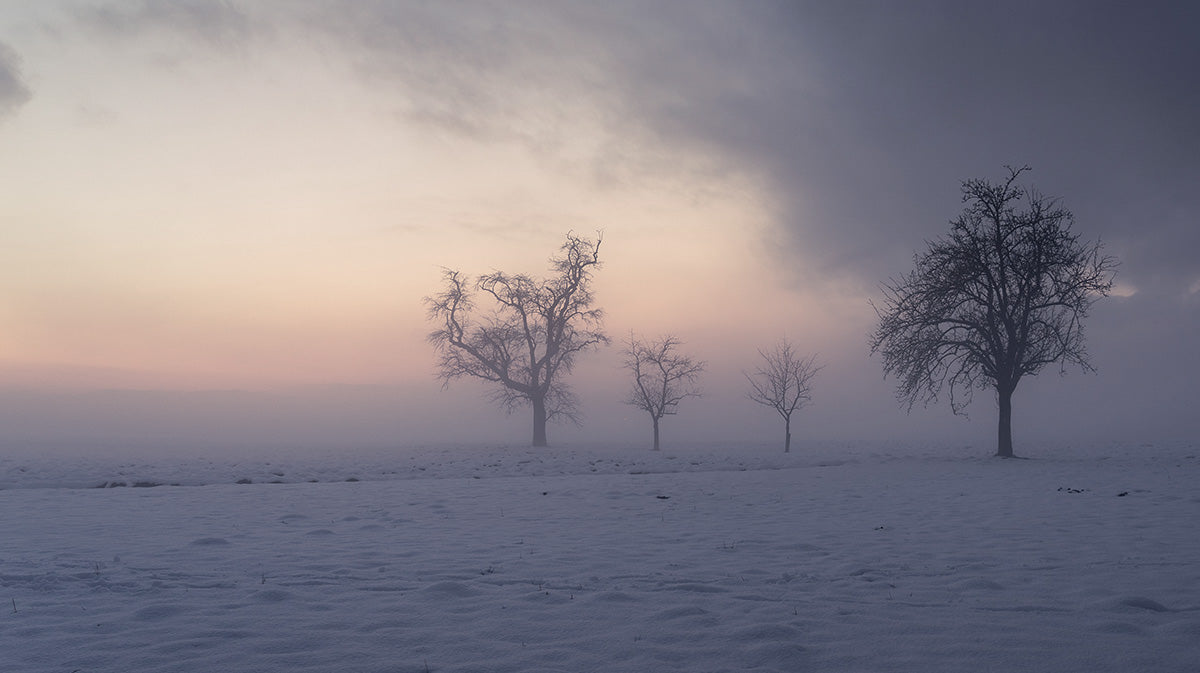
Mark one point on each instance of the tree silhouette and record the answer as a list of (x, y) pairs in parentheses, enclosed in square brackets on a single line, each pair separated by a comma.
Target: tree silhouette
[(529, 340), (783, 383), (662, 377), (1000, 297)]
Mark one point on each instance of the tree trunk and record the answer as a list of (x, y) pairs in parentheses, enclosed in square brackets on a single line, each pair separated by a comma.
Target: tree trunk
[(787, 438), (1004, 446), (655, 433), (539, 421)]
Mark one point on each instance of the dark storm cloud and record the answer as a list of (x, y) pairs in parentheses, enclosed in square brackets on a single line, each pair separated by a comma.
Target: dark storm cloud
[(865, 117), (13, 91)]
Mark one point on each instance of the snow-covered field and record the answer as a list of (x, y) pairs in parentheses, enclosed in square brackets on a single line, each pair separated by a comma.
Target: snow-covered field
[(832, 558)]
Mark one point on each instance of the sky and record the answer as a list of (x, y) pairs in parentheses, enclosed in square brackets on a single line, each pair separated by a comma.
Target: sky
[(219, 218)]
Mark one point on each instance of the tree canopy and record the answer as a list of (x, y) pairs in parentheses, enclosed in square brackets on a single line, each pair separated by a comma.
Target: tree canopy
[(529, 339), (662, 377), (1001, 296), (784, 383)]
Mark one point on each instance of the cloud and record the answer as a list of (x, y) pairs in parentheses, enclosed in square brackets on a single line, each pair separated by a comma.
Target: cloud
[(553, 78), (212, 22), (471, 69), (858, 121), (13, 91), (864, 120)]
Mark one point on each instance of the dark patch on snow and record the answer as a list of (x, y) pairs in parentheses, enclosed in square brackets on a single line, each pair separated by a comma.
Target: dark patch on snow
[(272, 596), (1144, 603), (1121, 628), (616, 597), (209, 541)]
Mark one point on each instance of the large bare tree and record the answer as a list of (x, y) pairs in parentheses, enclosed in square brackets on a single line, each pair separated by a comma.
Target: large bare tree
[(662, 377), (784, 383), (529, 339), (1000, 297)]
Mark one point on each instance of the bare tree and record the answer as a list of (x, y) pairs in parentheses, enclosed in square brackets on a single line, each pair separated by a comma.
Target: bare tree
[(529, 340), (662, 377), (1000, 297), (784, 383)]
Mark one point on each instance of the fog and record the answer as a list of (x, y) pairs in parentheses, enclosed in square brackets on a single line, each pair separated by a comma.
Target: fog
[(851, 403), (222, 216)]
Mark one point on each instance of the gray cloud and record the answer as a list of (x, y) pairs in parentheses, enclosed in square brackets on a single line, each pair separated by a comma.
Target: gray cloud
[(13, 91), (213, 22), (484, 71), (529, 73), (864, 118), (860, 118)]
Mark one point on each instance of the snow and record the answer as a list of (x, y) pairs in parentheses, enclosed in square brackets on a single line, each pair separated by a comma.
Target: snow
[(719, 558)]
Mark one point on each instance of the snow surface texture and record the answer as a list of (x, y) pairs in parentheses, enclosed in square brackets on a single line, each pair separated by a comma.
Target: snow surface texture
[(847, 558)]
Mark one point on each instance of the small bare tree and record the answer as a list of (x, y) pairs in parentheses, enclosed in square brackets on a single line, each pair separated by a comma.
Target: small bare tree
[(662, 377), (529, 341), (784, 383), (1000, 297)]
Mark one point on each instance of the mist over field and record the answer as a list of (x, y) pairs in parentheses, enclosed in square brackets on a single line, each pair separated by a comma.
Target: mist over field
[(222, 217)]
